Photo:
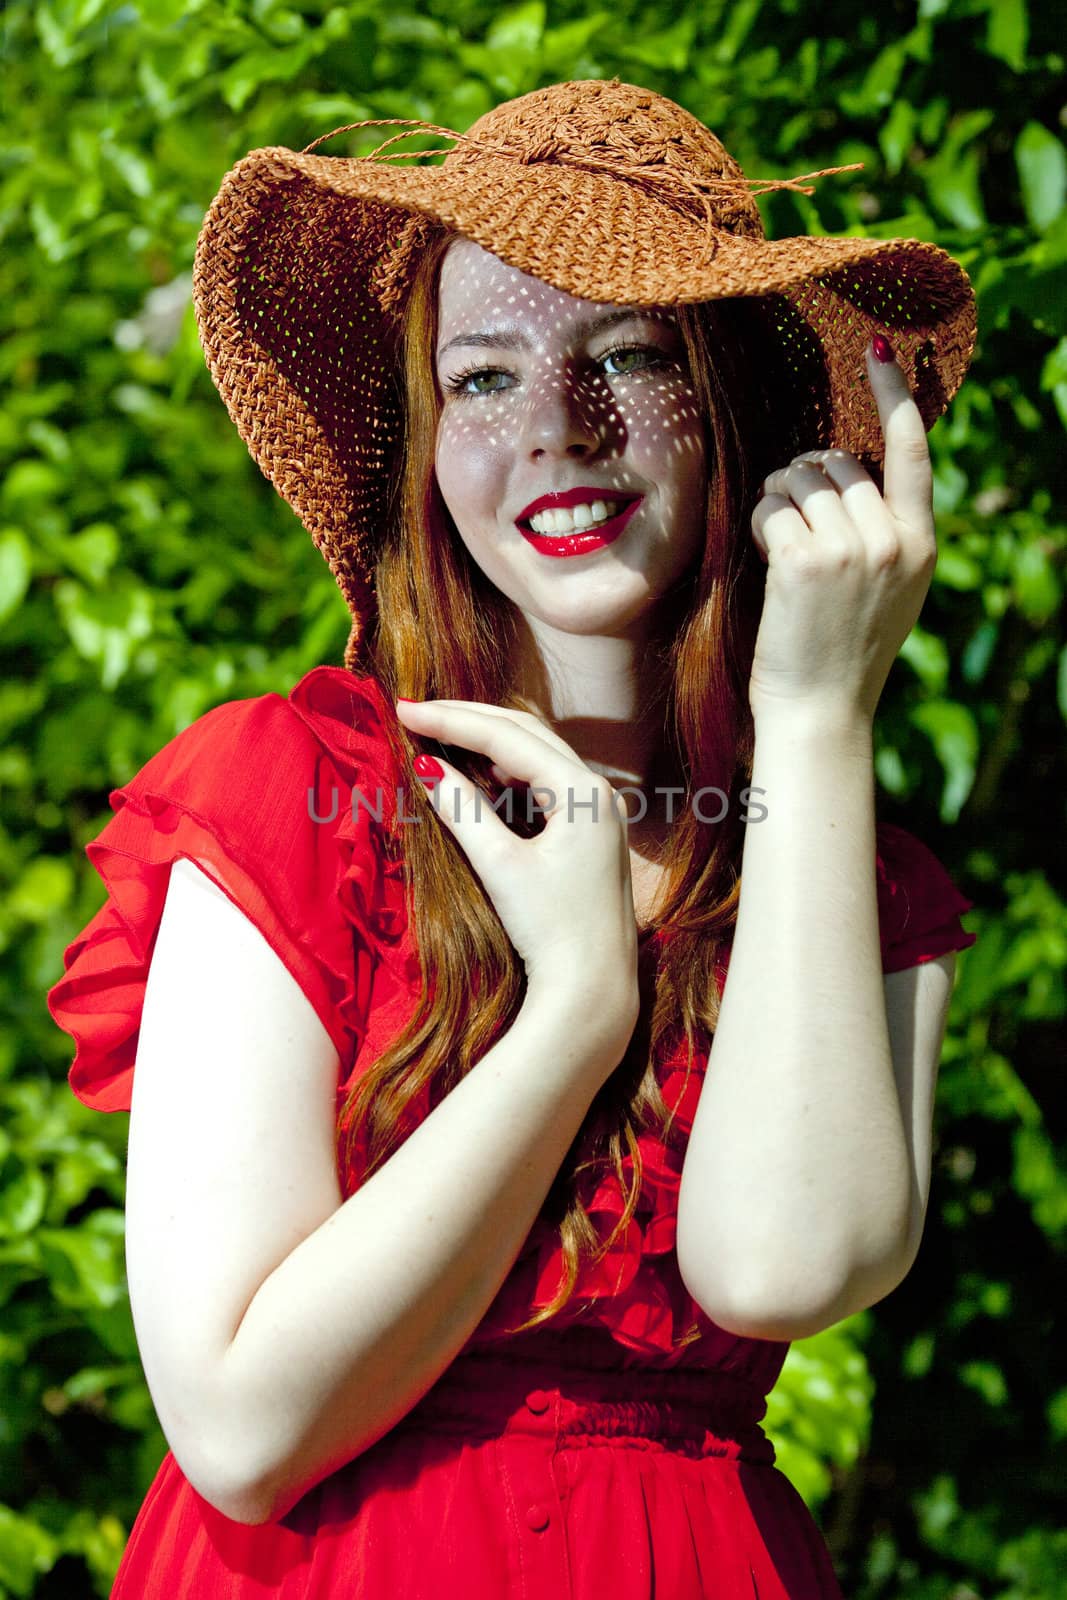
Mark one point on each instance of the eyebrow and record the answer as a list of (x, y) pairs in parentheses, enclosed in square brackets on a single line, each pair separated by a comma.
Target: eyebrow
[(511, 337)]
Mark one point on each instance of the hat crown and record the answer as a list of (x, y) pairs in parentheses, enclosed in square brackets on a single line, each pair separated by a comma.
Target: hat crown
[(619, 128)]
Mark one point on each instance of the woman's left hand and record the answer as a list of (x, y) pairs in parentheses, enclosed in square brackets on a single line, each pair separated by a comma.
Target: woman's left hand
[(848, 567)]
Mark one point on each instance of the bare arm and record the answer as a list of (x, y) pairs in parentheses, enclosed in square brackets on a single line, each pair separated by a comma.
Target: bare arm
[(357, 1319), (804, 1187)]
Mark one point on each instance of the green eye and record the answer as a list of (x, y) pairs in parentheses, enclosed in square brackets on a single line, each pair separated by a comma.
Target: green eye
[(458, 386)]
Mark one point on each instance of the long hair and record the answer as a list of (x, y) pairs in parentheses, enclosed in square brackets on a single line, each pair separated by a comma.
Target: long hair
[(442, 630)]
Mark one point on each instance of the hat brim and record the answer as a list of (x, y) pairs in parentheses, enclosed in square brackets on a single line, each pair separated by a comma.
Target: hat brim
[(298, 291)]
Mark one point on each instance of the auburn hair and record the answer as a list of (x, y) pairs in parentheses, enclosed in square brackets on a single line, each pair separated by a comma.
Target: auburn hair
[(442, 630)]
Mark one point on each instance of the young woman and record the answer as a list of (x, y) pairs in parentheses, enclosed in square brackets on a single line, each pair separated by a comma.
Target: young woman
[(461, 1260)]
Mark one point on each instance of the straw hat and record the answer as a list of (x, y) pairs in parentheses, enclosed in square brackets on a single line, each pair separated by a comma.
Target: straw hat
[(600, 188)]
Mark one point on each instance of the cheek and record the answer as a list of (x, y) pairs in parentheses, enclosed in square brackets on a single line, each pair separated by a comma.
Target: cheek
[(468, 461), (666, 432)]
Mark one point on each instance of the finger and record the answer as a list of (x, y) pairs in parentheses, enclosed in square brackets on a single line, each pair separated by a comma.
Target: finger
[(472, 820), (561, 777), (817, 501), (908, 474), (777, 522), (857, 490), (524, 718)]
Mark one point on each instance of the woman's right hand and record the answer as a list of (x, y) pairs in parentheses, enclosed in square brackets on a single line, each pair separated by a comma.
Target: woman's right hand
[(565, 896)]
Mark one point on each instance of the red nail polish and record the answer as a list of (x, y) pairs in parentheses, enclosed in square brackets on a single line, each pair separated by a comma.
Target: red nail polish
[(428, 768), (405, 699), (882, 348)]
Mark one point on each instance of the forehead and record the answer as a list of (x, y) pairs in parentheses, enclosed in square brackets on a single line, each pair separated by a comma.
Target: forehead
[(474, 282)]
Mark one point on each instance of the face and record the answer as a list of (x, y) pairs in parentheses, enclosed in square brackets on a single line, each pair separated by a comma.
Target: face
[(610, 408)]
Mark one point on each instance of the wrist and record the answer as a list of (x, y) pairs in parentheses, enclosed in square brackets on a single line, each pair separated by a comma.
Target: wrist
[(600, 1009), (835, 723)]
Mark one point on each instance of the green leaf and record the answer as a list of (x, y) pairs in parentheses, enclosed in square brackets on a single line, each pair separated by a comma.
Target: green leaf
[(819, 1410), (1006, 32), (84, 1266), (737, 24), (952, 176), (1056, 1412), (22, 1202), (666, 51), (518, 29), (988, 1379), (131, 166), (1037, 587), (104, 627), (919, 1355), (1042, 163), (953, 732), (956, 569), (897, 135), (240, 81), (890, 769), (880, 84), (27, 1550), (561, 46), (1039, 1176), (93, 551), (927, 655), (44, 888), (16, 570), (978, 652)]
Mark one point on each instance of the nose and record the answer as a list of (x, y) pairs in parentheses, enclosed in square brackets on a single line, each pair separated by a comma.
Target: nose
[(563, 417)]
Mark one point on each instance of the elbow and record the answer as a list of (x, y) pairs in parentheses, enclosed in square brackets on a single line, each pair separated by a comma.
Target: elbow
[(237, 1498), (246, 1506), (784, 1310), (748, 1316), (215, 1458)]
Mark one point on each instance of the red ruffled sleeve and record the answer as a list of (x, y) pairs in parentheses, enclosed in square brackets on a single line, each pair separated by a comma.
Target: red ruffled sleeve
[(258, 793), (919, 906)]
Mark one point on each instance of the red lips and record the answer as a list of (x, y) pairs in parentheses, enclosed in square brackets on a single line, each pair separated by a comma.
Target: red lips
[(561, 500), (582, 540)]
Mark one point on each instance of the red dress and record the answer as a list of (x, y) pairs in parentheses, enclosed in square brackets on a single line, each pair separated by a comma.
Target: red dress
[(585, 1461)]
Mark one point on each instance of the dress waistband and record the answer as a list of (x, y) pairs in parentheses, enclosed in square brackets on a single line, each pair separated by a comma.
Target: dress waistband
[(562, 1385)]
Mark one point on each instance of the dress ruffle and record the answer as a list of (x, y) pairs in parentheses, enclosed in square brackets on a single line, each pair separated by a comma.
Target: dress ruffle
[(256, 792)]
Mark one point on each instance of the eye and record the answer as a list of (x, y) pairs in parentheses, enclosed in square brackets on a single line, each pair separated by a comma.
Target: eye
[(457, 385)]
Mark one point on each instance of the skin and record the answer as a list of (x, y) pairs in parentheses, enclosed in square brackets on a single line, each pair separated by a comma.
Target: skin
[(561, 414), (805, 1185)]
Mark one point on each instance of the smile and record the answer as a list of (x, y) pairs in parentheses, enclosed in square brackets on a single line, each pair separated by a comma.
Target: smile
[(577, 541)]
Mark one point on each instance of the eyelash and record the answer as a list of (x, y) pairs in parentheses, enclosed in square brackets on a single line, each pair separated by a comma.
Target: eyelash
[(455, 385)]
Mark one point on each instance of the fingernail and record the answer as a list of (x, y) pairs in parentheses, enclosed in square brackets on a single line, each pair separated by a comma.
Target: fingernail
[(882, 348), (428, 769), (402, 699)]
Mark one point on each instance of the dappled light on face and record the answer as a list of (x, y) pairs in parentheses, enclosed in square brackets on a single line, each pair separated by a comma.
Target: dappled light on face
[(541, 392)]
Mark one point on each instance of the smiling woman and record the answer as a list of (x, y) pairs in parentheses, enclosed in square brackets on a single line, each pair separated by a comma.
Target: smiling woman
[(518, 1136)]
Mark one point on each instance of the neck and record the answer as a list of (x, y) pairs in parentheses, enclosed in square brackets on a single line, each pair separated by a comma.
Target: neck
[(588, 690)]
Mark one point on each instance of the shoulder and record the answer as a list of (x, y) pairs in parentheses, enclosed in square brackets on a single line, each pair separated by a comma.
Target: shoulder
[(331, 715)]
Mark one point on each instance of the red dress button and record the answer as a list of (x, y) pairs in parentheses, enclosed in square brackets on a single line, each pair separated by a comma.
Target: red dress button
[(537, 1400), (537, 1518)]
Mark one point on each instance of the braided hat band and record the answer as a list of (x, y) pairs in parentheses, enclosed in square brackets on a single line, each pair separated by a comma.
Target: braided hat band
[(602, 189)]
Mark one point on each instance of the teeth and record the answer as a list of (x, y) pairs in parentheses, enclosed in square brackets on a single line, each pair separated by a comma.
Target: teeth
[(576, 518)]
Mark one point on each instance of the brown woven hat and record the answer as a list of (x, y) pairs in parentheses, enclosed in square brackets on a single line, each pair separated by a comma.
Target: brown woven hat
[(599, 188)]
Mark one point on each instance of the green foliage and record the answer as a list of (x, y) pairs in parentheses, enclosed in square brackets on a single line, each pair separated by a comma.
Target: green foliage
[(148, 572)]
